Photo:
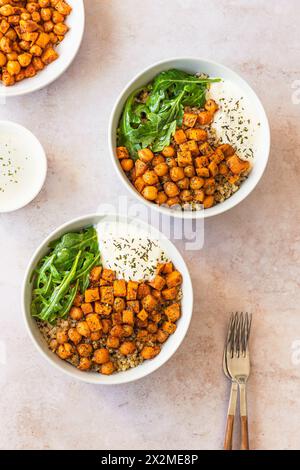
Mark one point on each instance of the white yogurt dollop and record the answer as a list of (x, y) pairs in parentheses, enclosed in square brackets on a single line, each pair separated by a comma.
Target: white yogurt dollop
[(132, 253), (235, 122)]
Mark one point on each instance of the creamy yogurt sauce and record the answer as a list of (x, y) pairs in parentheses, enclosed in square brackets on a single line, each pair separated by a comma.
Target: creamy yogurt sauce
[(20, 173), (129, 250), (235, 122)]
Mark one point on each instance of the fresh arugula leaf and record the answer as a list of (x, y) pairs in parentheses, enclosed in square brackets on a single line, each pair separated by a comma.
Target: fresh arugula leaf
[(63, 272), (152, 123)]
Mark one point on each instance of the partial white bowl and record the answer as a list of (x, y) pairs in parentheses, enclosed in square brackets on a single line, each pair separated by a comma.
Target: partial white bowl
[(168, 348), (67, 51), (23, 166), (213, 69)]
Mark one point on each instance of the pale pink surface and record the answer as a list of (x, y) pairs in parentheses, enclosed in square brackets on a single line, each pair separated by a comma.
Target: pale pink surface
[(250, 259)]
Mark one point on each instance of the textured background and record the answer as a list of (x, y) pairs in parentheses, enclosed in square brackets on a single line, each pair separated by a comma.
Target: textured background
[(250, 258)]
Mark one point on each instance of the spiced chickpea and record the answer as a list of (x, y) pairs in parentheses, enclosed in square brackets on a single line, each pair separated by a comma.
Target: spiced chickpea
[(189, 171), (168, 151), (161, 198), (150, 193), (157, 160), (85, 363), (171, 189), (150, 178), (186, 195), (161, 169), (196, 182), (127, 164), (61, 337), (146, 155), (65, 351), (74, 336), (85, 350), (176, 173), (184, 183), (107, 369)]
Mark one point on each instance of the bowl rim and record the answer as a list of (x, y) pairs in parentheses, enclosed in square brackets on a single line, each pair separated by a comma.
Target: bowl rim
[(219, 208), (14, 92), (43, 166), (90, 378)]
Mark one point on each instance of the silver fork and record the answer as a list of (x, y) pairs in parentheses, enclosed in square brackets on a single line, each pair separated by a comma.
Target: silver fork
[(233, 393), (238, 364)]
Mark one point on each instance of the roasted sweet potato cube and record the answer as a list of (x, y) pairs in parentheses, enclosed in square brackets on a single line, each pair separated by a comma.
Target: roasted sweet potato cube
[(132, 288), (78, 300), (169, 327), (149, 303), (143, 315), (202, 172), (227, 150), (87, 308), (205, 117), (199, 135), (106, 324), (108, 275), (158, 282), (217, 156), (170, 294), (128, 317), (120, 289), (190, 146), (142, 335), (139, 184), (201, 162), (162, 336), (104, 282), (143, 290), (43, 40), (102, 309), (237, 166), (174, 279), (180, 137), (119, 304), (173, 312), (189, 119), (140, 167), (91, 295), (94, 322), (206, 149), (133, 305), (168, 268), (149, 352), (117, 318), (184, 158), (156, 317), (107, 295), (62, 7), (50, 55), (95, 274), (122, 152), (213, 168), (156, 294), (208, 202), (223, 169)]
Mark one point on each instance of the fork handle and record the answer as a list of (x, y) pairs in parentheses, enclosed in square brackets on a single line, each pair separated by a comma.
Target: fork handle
[(244, 433), (244, 418), (230, 416)]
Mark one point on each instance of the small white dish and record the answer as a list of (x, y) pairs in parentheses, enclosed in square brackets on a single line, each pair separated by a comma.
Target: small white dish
[(241, 88), (67, 51), (168, 348), (23, 166)]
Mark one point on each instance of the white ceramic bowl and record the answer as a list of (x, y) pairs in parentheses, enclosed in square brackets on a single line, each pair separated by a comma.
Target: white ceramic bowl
[(67, 51), (23, 166), (213, 69), (147, 367)]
